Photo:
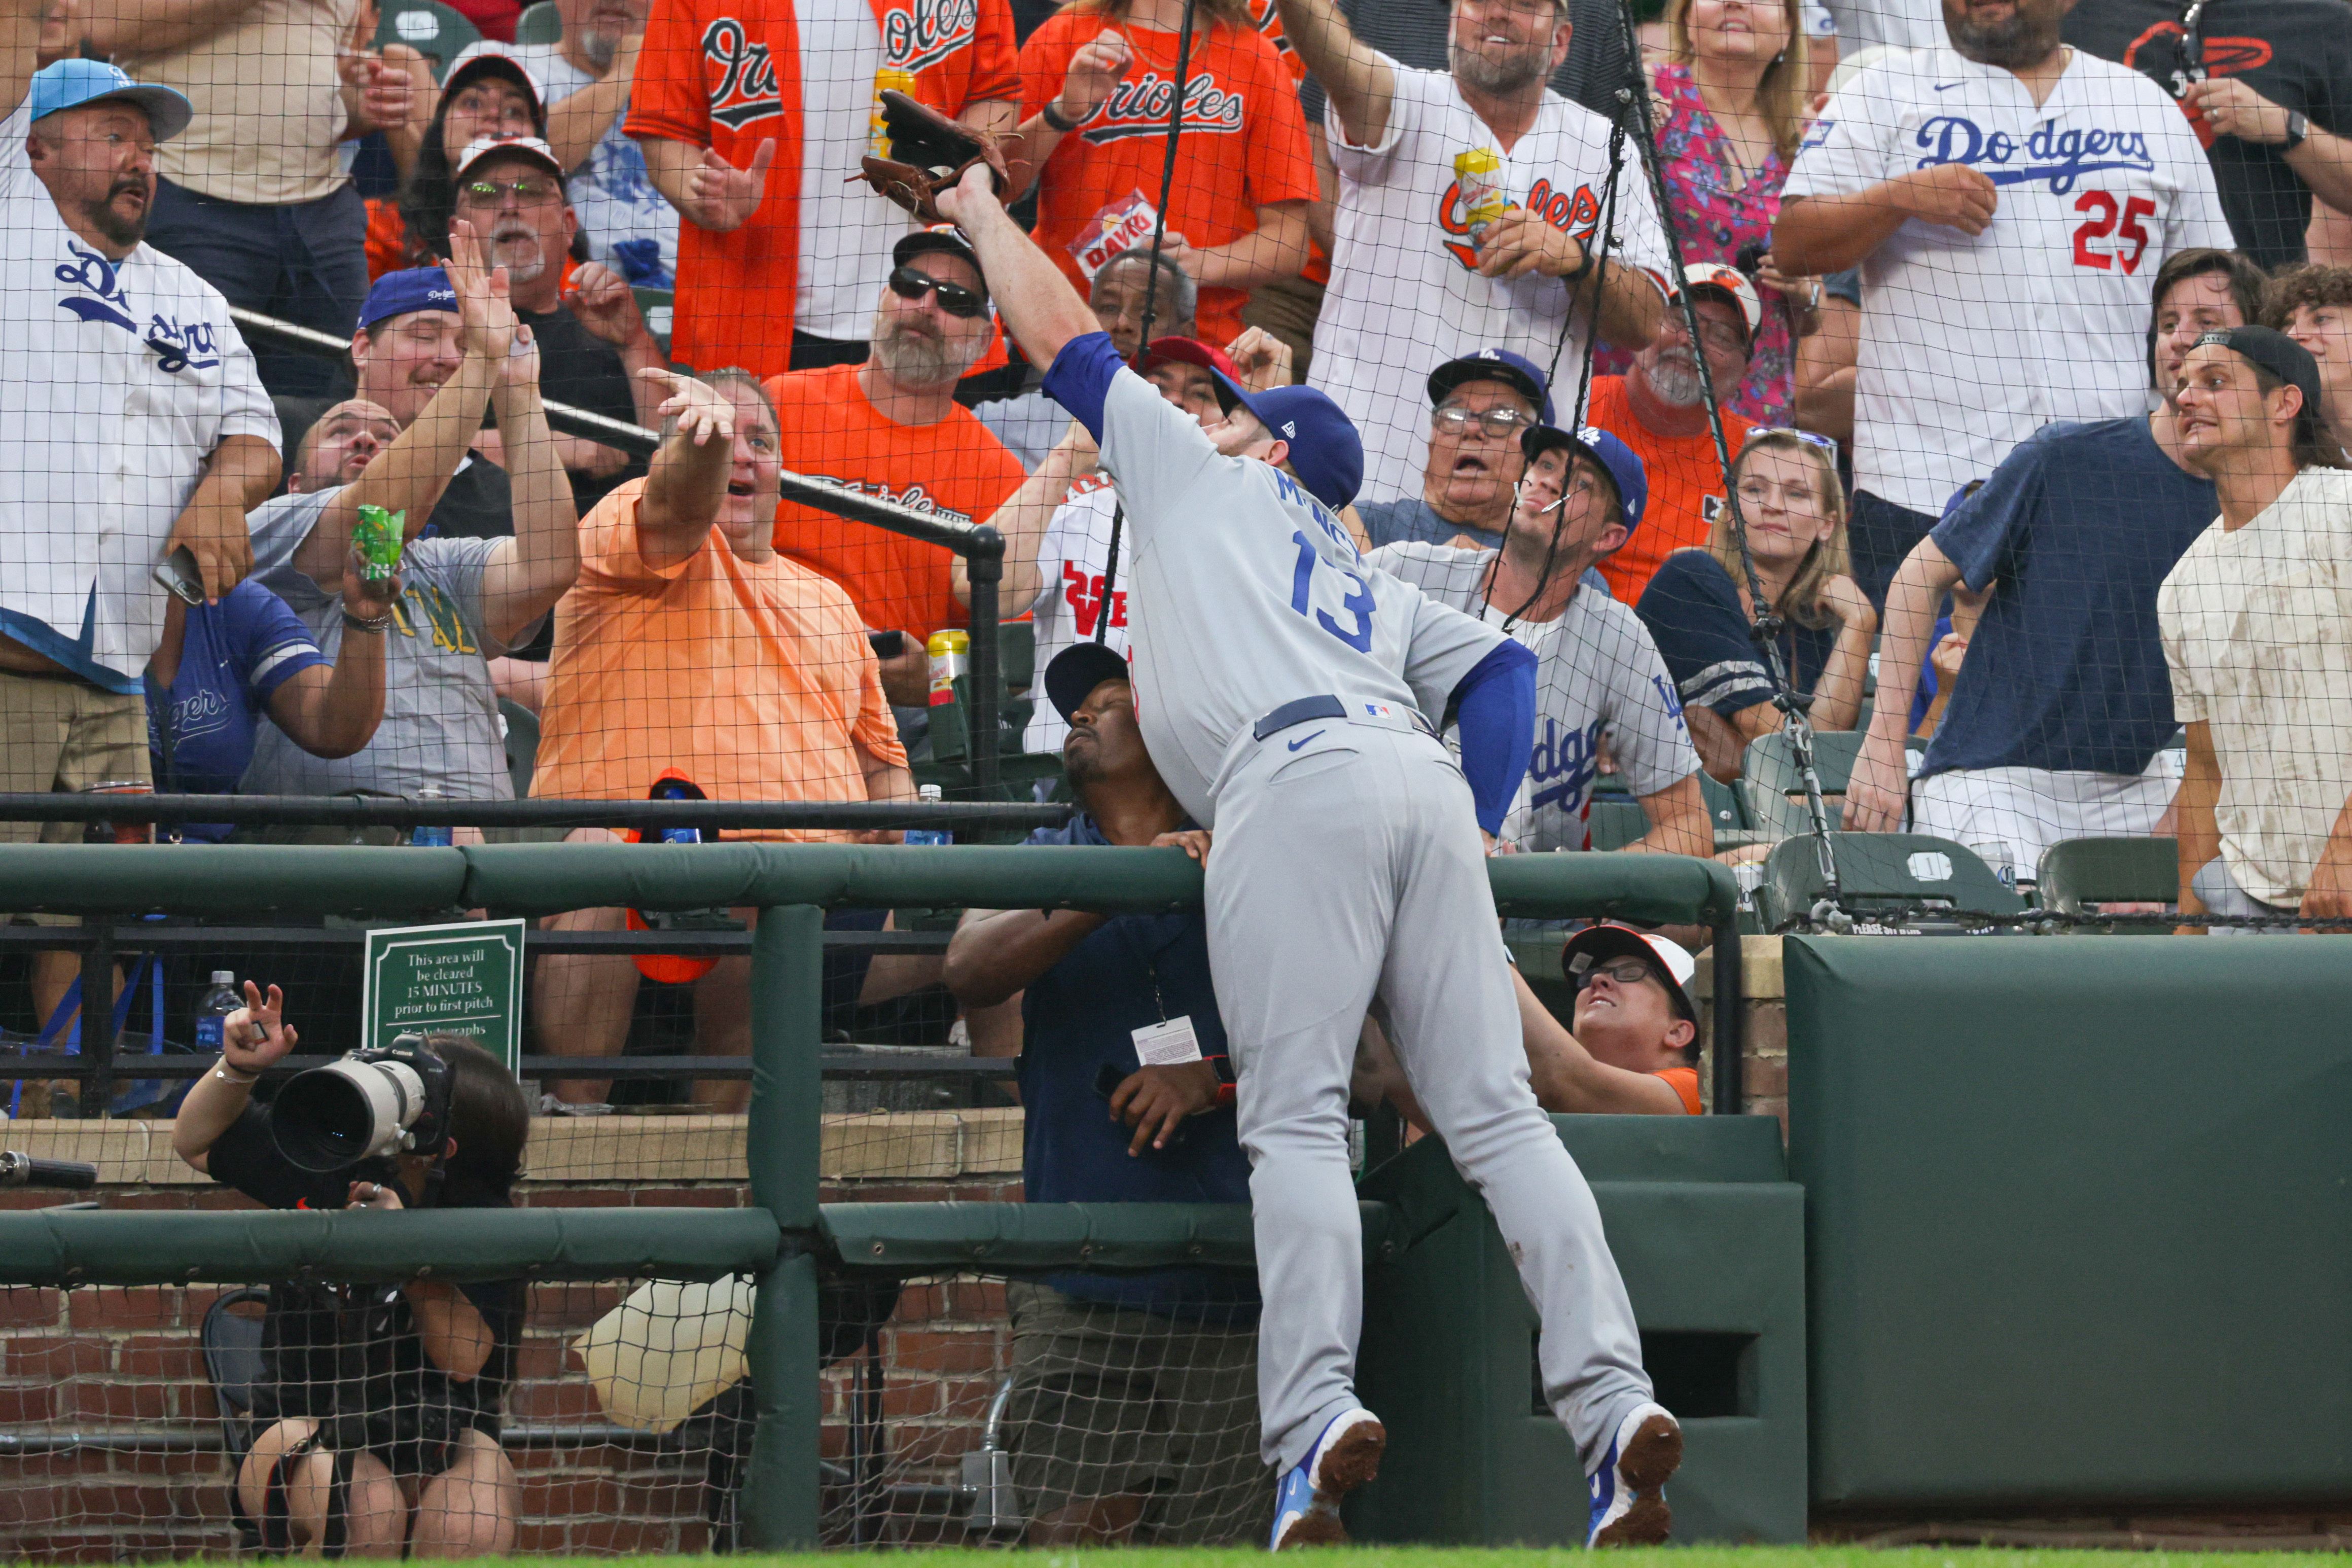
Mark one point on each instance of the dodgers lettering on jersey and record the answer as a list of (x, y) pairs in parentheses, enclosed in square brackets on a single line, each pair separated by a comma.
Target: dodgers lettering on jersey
[(1248, 591)]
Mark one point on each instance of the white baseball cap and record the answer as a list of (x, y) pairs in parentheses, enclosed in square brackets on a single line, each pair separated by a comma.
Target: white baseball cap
[(1732, 283), (1608, 939), (529, 147)]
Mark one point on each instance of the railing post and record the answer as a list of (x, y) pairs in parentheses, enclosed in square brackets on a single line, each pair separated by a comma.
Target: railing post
[(96, 1097), (1730, 1022), (984, 567), (780, 1144)]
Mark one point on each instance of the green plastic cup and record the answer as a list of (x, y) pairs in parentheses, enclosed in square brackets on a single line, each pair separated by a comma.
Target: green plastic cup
[(378, 536)]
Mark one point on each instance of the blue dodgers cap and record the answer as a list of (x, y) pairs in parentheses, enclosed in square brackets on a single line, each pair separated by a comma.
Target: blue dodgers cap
[(1619, 461), (70, 84), (404, 293), (1325, 450), (1494, 364)]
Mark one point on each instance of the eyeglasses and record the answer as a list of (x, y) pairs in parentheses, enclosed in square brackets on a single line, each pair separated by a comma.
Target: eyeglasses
[(954, 298), (1625, 972), (1502, 424), (531, 191), (1720, 335), (1810, 437)]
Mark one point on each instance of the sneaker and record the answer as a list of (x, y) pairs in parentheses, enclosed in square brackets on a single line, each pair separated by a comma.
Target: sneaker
[(1629, 1500), (1306, 1504), (550, 1106)]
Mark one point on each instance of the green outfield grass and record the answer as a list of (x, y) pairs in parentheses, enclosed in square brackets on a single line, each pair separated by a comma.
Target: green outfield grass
[(1459, 1557)]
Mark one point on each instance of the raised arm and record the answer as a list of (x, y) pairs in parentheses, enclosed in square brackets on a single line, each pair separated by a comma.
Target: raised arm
[(1038, 303), (253, 1038), (1359, 82), (156, 26), (688, 483), (1024, 518), (526, 575)]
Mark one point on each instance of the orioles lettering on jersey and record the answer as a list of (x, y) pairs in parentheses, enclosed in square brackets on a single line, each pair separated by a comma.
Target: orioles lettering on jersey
[(913, 496), (1084, 595), (178, 345), (2059, 157), (746, 89), (925, 32), (1140, 108), (1579, 216), (2216, 57)]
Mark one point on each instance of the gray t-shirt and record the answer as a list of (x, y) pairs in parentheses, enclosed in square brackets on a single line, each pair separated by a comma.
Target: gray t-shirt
[(1597, 669), (1408, 520), (440, 714)]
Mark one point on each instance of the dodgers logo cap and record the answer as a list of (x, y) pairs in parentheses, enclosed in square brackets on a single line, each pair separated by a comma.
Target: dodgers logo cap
[(1325, 450), (1514, 371), (70, 84), (1619, 461), (404, 293)]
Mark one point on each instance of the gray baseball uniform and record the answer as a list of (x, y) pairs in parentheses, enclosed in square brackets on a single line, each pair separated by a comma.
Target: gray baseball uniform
[(1597, 669), (1347, 865)]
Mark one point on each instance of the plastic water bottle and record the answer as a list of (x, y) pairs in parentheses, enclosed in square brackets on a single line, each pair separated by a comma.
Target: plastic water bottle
[(929, 795), (669, 786), (431, 837), (213, 1006)]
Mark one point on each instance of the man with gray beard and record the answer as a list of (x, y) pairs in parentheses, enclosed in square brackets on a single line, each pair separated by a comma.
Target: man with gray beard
[(1659, 409), (586, 75), (592, 339), (892, 428)]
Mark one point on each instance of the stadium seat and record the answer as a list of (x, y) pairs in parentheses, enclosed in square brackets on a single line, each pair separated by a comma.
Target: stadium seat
[(231, 1338), (434, 30), (1883, 879), (1774, 790), (522, 744), (1727, 813), (1614, 821), (2079, 874), (539, 23)]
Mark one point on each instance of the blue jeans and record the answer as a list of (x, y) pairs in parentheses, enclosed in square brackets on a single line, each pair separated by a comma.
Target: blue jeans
[(306, 263)]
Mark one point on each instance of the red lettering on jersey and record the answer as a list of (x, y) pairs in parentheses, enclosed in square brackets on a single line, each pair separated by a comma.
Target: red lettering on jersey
[(1083, 593), (746, 89), (1578, 215)]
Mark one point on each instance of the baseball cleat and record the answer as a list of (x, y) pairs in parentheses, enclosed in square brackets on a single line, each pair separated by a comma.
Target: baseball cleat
[(1306, 1504), (1629, 1502)]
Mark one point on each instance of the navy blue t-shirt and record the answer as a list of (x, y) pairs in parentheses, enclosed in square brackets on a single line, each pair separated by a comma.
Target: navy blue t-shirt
[(1691, 609), (235, 656), (2080, 524), (1079, 1017)]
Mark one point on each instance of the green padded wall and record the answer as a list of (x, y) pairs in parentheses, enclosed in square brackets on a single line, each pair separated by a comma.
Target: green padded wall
[(2080, 1219), (1710, 1235)]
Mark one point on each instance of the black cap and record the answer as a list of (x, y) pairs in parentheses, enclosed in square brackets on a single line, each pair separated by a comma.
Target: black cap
[(2277, 354), (1076, 671), (944, 236)]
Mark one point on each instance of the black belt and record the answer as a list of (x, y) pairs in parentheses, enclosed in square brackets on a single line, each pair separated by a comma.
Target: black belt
[(1304, 710)]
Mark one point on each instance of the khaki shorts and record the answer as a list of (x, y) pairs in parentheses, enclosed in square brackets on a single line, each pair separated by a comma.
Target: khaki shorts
[(1109, 1401), (63, 734)]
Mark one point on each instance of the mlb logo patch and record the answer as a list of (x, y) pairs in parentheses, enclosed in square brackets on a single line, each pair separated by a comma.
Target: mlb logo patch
[(1380, 711)]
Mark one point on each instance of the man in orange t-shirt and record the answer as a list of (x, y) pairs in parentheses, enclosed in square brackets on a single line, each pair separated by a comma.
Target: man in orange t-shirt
[(1658, 408), (689, 646), (1633, 1008), (739, 115), (1094, 105), (892, 428)]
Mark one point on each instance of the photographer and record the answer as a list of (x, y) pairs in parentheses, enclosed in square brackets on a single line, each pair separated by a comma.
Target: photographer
[(380, 1410)]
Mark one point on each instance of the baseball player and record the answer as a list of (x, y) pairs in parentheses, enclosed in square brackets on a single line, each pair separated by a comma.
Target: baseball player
[(1283, 686)]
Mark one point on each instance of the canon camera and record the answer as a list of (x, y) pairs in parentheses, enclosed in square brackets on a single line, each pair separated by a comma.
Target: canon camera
[(371, 1102)]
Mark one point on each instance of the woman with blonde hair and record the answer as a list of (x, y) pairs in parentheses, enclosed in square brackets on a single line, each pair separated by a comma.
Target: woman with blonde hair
[(1699, 609), (1730, 96)]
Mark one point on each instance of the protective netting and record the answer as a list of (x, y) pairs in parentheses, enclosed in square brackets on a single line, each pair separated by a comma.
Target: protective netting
[(961, 1409)]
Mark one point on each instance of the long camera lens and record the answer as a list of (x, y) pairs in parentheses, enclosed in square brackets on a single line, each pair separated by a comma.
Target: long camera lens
[(346, 1112)]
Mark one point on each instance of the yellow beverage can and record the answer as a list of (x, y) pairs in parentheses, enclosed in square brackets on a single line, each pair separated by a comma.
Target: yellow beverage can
[(950, 655), (889, 79), (1478, 175)]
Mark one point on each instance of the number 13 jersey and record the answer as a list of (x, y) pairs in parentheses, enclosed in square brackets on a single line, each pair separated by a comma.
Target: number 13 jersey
[(1970, 344)]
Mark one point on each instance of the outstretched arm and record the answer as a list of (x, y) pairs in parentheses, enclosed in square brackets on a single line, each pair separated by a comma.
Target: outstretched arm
[(688, 483), (1359, 82)]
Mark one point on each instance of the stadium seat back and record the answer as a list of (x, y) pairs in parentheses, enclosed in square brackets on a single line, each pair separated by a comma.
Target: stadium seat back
[(1903, 882), (2079, 874)]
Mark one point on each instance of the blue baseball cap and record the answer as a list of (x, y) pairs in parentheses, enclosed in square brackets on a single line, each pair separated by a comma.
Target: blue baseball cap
[(404, 293), (70, 84), (1325, 450), (1514, 371), (1619, 461)]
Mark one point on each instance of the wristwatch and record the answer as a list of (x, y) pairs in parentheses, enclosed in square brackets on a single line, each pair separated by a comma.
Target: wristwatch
[(2298, 126)]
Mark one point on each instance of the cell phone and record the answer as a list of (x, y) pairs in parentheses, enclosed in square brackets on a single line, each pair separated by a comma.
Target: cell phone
[(1710, 509), (1108, 1076), (887, 645), (178, 574)]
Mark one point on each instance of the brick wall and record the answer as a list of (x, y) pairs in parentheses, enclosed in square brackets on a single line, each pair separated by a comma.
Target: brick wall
[(1764, 1055), (103, 1362)]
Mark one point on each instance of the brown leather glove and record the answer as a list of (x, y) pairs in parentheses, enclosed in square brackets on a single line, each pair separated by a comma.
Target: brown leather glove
[(928, 152)]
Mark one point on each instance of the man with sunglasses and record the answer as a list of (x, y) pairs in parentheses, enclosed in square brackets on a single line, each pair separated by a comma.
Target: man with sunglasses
[(1479, 407), (892, 428), (1597, 669), (592, 339), (1659, 408)]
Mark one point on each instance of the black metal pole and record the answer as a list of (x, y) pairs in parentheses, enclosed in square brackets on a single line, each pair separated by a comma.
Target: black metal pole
[(984, 567), (97, 1097), (1730, 1021)]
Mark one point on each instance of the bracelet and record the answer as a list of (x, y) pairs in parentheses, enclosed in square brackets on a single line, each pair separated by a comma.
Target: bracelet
[(1052, 114), (374, 628), (243, 1080)]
